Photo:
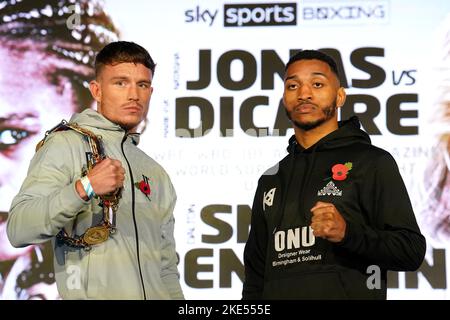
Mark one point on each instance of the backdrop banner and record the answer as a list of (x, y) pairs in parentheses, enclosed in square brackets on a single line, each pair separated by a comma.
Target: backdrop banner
[(216, 120)]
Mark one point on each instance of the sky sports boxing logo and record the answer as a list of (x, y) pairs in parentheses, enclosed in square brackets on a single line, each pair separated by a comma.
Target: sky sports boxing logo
[(260, 14), (343, 12)]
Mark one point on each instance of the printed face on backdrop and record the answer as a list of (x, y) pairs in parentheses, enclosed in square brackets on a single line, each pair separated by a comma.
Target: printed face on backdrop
[(34, 97), (311, 93), (46, 52), (123, 93)]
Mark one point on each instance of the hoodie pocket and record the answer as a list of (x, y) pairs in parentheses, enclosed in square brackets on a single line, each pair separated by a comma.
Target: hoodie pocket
[(313, 285)]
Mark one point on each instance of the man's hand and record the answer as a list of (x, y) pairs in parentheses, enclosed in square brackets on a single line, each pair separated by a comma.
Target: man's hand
[(105, 177), (327, 222)]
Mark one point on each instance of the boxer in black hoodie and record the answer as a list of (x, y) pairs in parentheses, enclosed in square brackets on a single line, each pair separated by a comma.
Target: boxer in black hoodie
[(332, 217)]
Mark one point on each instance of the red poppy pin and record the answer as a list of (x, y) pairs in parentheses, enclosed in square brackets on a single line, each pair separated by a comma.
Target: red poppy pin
[(144, 186), (340, 171)]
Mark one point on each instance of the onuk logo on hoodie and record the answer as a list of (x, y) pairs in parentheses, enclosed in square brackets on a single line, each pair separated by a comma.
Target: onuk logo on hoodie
[(268, 198)]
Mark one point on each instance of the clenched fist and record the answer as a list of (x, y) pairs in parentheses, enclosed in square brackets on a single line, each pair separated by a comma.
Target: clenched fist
[(327, 222), (105, 177)]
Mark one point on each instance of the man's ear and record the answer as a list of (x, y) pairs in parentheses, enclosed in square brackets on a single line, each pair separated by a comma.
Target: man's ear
[(340, 98), (96, 91)]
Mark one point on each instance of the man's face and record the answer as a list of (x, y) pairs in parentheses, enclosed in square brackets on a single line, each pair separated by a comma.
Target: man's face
[(311, 94), (33, 99), (123, 92)]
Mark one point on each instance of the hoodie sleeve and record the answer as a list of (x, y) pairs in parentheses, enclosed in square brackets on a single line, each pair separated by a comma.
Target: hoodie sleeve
[(47, 200), (255, 251), (392, 240)]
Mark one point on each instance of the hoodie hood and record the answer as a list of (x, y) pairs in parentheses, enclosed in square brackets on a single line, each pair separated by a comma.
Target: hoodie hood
[(96, 122), (347, 133), (93, 119)]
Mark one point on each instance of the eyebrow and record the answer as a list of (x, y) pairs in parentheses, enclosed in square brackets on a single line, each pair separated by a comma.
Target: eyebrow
[(126, 78), (321, 74)]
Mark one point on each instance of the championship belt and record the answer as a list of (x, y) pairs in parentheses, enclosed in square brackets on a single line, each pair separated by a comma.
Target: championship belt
[(101, 232)]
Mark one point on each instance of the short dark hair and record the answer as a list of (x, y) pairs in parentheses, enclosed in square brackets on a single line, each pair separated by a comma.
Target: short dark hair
[(314, 54), (123, 51)]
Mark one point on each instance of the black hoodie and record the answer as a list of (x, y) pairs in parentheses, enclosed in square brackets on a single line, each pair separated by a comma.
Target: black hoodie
[(283, 259)]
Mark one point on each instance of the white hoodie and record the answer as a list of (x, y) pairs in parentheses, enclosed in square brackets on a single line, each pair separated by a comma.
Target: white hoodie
[(139, 261)]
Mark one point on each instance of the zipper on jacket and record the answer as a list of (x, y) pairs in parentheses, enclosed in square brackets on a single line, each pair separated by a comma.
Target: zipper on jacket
[(134, 216)]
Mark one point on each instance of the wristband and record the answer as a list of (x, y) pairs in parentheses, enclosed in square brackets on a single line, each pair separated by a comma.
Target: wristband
[(87, 187)]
